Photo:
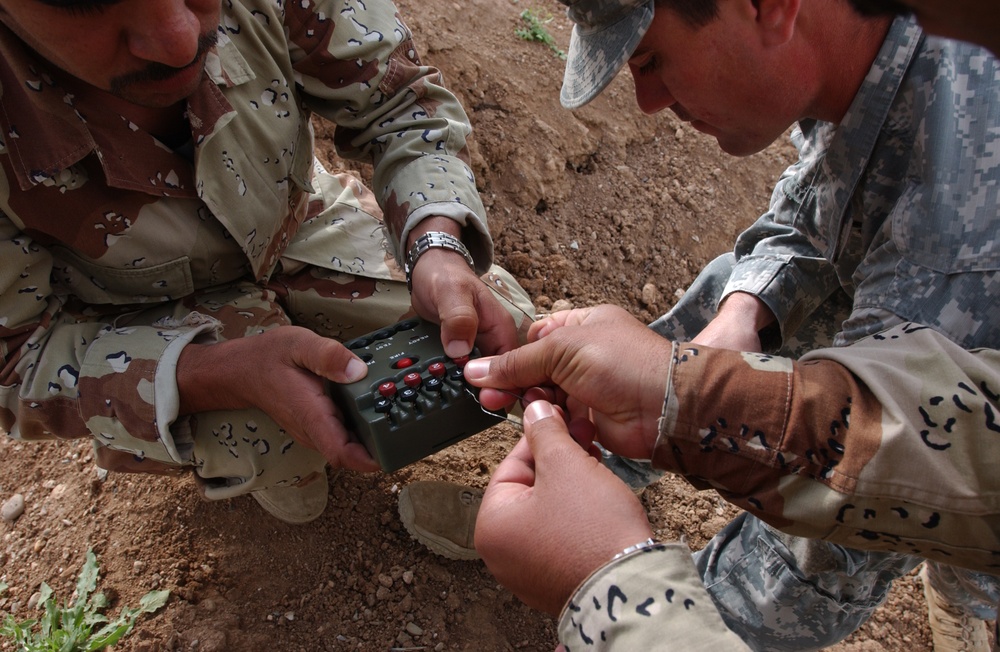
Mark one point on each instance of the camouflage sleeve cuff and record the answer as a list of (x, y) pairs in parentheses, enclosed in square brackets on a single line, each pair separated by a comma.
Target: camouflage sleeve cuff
[(642, 601), (475, 235), (128, 387), (876, 445), (759, 275)]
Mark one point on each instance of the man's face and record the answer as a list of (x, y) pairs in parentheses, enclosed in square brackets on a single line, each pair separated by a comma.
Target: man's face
[(148, 52), (715, 77), (976, 21)]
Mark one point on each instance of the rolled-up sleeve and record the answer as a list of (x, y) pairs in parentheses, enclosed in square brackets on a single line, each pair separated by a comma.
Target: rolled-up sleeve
[(886, 444)]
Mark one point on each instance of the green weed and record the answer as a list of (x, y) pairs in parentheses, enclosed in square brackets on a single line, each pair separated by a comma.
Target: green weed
[(71, 628), (535, 30)]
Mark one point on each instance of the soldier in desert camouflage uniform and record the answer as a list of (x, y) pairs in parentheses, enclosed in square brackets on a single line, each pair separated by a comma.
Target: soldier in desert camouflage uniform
[(836, 376), (167, 232)]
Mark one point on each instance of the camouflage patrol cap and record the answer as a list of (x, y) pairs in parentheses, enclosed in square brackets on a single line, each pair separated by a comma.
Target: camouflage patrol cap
[(605, 33)]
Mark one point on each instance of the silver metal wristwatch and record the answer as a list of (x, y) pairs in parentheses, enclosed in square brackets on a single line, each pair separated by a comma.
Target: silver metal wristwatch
[(428, 241)]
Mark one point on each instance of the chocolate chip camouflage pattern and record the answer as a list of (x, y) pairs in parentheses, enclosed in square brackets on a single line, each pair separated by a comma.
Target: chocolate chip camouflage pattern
[(868, 430), (117, 250), (616, 607)]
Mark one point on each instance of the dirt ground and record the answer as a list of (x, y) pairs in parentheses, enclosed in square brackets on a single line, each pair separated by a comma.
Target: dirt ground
[(599, 205)]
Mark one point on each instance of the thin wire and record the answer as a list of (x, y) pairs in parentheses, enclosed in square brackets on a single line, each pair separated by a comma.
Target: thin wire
[(502, 414), (511, 418), (509, 301)]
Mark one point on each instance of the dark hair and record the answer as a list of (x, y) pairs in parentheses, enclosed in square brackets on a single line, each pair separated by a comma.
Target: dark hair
[(880, 7), (696, 13)]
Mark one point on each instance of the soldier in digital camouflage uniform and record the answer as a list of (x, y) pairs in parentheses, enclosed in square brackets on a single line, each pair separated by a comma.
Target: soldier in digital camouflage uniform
[(836, 376), (166, 230)]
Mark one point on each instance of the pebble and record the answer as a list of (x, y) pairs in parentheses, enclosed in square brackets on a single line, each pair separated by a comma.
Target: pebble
[(650, 295), (414, 629), (13, 508), (561, 304)]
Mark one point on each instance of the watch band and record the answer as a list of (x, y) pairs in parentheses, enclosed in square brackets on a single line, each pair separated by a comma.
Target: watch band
[(433, 240), (639, 546)]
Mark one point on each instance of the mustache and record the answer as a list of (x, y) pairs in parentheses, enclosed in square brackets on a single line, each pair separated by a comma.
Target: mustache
[(158, 71)]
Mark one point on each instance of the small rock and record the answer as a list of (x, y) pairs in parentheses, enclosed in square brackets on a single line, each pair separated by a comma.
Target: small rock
[(561, 304), (13, 508), (414, 629), (650, 295)]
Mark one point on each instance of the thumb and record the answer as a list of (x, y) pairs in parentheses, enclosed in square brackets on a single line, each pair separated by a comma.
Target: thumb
[(458, 328), (527, 366), (549, 439), (332, 360)]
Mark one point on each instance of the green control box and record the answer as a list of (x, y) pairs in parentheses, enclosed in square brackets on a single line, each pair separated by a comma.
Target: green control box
[(414, 401)]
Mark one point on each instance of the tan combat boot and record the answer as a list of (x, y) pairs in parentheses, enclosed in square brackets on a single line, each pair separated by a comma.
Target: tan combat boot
[(953, 630), (297, 504), (442, 516)]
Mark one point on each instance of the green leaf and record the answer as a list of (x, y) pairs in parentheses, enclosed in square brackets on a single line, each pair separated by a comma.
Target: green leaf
[(153, 601), (70, 628), (88, 579), (108, 636)]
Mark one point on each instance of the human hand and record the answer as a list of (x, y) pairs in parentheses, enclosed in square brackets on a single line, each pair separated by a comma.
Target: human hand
[(601, 358), (552, 514), (280, 372), (737, 324), (447, 292)]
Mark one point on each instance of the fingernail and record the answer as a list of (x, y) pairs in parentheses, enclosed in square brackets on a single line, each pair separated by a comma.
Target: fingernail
[(477, 369), (356, 370), (457, 348), (538, 410)]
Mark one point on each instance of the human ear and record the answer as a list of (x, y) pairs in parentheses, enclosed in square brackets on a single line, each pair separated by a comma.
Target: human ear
[(776, 20)]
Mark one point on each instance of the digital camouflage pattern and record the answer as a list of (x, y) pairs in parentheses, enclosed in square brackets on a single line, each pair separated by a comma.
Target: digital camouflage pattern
[(605, 33), (117, 250), (870, 425)]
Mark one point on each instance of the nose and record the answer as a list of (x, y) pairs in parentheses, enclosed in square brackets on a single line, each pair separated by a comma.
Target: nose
[(164, 31), (651, 94)]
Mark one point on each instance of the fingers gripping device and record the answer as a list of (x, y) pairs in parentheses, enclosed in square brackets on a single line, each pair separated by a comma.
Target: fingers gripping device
[(414, 401)]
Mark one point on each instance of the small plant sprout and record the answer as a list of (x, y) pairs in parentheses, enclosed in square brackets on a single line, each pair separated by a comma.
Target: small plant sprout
[(71, 628), (535, 30)]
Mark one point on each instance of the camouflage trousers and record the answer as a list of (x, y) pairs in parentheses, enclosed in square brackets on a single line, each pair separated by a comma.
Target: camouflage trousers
[(777, 591), (336, 279)]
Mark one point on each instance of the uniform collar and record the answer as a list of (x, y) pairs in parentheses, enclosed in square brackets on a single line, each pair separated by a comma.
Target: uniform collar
[(49, 121)]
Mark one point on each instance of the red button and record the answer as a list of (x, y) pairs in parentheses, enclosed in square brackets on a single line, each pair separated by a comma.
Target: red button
[(388, 389), (437, 369), (460, 361), (412, 380), (403, 363)]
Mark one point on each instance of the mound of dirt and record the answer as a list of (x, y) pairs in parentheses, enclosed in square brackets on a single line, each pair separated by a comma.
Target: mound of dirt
[(600, 205)]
